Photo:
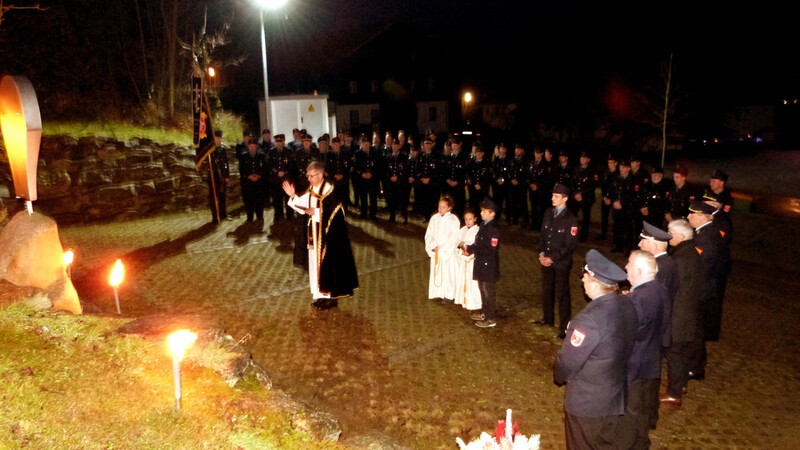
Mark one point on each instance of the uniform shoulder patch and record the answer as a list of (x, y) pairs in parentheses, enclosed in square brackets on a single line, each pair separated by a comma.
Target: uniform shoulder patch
[(495, 241), (727, 208), (699, 250), (577, 338), (573, 231)]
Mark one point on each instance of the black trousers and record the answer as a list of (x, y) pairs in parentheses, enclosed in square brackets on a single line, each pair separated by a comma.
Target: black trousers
[(369, 196), (342, 190), (428, 198), (396, 199), (540, 201), (279, 200), (459, 198), (500, 197), (221, 195), (253, 197), (476, 196), (634, 427), (680, 356), (605, 211), (555, 287), (488, 299), (591, 433), (623, 229)]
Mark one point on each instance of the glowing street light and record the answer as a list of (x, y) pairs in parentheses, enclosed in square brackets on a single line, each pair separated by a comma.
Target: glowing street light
[(211, 72), (467, 97), (21, 124), (68, 257), (178, 341), (267, 5), (116, 278)]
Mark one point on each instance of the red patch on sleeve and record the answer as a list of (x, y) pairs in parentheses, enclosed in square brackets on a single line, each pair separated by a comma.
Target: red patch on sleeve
[(596, 178), (495, 241), (699, 250), (577, 338), (722, 233), (573, 231), (636, 188), (727, 208)]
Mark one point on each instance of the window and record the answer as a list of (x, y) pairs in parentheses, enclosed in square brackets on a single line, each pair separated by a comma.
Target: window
[(432, 114), (354, 122)]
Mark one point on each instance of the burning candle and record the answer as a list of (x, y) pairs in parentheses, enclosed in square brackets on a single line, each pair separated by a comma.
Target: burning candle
[(116, 278), (178, 342), (68, 258), (508, 425)]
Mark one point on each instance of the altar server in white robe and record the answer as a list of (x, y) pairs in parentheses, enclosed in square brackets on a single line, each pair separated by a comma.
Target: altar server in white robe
[(441, 240), (467, 293)]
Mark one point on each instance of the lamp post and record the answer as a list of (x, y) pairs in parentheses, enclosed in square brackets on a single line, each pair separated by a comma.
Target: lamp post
[(265, 5)]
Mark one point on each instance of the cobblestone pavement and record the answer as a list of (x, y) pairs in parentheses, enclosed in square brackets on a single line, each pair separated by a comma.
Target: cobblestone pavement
[(390, 362)]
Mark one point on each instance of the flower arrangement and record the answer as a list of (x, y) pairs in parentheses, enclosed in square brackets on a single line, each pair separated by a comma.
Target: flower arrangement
[(505, 437)]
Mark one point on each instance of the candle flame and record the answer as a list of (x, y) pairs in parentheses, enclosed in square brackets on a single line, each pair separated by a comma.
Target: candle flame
[(117, 274), (68, 257), (179, 340)]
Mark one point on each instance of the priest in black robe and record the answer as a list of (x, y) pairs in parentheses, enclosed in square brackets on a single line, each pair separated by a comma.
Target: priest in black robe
[(328, 257)]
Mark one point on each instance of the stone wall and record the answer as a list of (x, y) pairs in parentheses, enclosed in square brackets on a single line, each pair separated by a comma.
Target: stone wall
[(95, 178)]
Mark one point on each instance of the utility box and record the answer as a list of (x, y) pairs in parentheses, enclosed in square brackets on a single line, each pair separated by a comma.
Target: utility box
[(308, 112)]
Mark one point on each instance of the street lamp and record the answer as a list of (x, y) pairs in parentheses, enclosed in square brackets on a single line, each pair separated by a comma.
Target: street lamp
[(265, 5)]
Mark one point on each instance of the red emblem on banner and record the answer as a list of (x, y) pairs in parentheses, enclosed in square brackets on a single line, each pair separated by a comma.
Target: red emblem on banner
[(577, 338), (573, 231), (495, 241)]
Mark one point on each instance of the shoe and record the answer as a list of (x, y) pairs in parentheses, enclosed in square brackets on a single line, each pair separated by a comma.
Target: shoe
[(477, 316), (665, 398), (696, 376), (486, 323), (319, 303), (542, 323)]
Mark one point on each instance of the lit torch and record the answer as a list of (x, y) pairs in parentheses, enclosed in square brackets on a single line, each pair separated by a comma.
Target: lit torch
[(69, 256), (115, 280), (178, 342)]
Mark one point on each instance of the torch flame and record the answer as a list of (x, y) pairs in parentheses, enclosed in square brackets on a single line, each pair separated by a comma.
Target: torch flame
[(117, 274), (179, 340), (68, 257)]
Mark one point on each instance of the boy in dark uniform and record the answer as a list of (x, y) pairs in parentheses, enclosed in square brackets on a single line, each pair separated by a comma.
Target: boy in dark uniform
[(487, 263)]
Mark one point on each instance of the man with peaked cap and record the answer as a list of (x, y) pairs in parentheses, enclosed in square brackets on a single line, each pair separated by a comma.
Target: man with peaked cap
[(253, 172), (396, 171), (657, 193), (584, 181), (563, 171), (717, 185), (429, 175), (479, 175), (280, 164), (367, 169), (710, 245), (518, 187), (609, 179), (557, 241), (686, 344), (594, 356), (219, 177), (651, 299), (723, 224), (337, 166), (538, 171), (501, 171), (266, 140), (486, 271), (241, 147), (623, 199)]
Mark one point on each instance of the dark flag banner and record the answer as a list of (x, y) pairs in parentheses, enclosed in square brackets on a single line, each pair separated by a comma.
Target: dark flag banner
[(204, 131), (197, 107)]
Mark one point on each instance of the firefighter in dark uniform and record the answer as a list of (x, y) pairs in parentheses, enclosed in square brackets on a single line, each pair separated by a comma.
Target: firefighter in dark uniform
[(681, 195), (337, 166), (518, 188), (622, 200), (640, 178), (657, 192), (563, 171), (429, 175), (253, 171), (303, 156), (396, 169), (455, 176), (717, 185), (584, 180), (367, 170), (413, 168), (539, 198), (609, 179), (241, 147), (218, 179), (557, 242), (501, 173), (479, 175), (593, 358), (281, 167), (266, 142), (487, 262), (711, 247), (350, 147)]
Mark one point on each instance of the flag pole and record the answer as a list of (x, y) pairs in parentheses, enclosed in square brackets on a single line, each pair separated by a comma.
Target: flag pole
[(213, 185)]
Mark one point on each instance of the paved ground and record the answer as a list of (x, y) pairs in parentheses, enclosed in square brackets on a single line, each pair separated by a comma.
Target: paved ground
[(391, 363)]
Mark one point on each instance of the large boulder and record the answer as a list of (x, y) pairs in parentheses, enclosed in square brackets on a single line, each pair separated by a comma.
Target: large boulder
[(31, 255)]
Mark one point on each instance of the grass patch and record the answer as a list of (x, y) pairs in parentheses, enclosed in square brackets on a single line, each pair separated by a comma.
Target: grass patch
[(230, 124), (72, 382)]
